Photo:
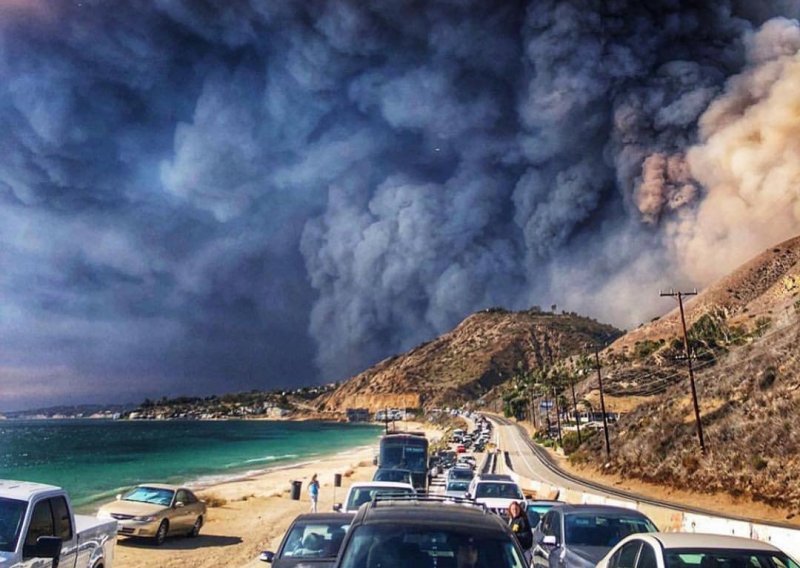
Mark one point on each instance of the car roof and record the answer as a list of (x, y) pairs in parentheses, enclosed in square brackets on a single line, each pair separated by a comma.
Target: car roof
[(23, 490), (163, 486), (324, 517), (570, 509), (701, 540), (494, 477), (454, 516), (378, 484)]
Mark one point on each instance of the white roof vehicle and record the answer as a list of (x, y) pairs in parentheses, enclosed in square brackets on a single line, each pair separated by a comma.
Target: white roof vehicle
[(694, 550), (365, 491), (37, 523), (495, 493)]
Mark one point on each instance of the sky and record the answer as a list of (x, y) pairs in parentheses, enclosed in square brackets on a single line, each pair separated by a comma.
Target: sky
[(205, 197)]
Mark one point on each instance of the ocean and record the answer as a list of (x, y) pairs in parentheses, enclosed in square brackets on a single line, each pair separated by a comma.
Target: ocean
[(96, 459)]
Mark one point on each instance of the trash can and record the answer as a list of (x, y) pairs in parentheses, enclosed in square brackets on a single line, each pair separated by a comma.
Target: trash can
[(296, 485), (337, 479)]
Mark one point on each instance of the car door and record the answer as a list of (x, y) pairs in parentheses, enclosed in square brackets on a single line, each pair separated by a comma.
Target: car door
[(550, 526), (648, 558), (181, 512), (51, 517), (626, 556)]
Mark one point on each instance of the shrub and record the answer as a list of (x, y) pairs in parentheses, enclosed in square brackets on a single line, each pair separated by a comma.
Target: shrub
[(213, 501)]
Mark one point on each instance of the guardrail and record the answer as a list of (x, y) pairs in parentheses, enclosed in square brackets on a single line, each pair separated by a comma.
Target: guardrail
[(669, 518)]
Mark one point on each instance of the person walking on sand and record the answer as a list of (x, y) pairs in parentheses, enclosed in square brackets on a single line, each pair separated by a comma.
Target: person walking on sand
[(313, 492)]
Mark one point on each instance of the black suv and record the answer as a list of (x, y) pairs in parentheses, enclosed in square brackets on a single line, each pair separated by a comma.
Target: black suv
[(428, 534)]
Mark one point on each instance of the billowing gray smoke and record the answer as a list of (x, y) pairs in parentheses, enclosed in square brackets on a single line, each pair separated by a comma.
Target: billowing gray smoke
[(186, 189)]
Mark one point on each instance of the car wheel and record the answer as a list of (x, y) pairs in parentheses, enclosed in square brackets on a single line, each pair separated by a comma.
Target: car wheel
[(161, 533), (198, 524)]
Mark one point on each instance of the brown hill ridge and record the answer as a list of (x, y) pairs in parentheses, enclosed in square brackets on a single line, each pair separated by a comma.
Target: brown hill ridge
[(484, 350), (766, 286)]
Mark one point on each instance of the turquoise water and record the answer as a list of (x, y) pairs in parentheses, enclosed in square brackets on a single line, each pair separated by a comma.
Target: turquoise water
[(96, 459)]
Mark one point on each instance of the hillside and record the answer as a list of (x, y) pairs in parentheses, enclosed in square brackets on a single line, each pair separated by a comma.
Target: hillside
[(745, 330), (484, 350)]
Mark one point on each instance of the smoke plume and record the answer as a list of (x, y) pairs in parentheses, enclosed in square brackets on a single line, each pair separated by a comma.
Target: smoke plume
[(199, 198)]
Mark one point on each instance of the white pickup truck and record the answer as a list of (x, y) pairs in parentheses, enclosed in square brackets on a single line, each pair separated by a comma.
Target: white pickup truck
[(39, 530)]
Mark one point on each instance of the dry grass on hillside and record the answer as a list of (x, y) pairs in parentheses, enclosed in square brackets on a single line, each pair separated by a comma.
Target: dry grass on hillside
[(750, 402)]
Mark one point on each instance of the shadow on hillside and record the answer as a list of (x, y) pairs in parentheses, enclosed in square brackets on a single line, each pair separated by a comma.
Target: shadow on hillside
[(182, 543)]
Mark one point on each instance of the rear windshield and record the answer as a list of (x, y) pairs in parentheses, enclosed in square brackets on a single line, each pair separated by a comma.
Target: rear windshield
[(458, 485), (419, 546), (461, 474), (603, 530), (12, 512), (708, 558), (315, 540), (361, 495), (488, 490)]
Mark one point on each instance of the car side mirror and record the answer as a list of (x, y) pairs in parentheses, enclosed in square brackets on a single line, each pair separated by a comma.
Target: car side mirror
[(337, 507), (179, 504), (550, 540), (45, 547), (267, 556)]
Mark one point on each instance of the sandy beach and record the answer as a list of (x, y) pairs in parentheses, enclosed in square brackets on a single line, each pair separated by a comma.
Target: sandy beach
[(255, 514)]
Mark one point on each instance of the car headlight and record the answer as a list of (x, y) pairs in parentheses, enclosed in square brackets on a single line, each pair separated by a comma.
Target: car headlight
[(145, 519)]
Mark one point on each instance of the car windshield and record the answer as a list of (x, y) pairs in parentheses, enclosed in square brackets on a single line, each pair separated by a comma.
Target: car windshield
[(717, 558), (153, 495), (361, 495), (319, 539), (392, 475), (490, 490), (602, 529), (12, 512), (420, 546), (457, 485)]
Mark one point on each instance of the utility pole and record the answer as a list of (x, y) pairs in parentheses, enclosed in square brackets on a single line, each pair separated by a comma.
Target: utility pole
[(602, 400), (575, 407), (680, 296), (558, 417)]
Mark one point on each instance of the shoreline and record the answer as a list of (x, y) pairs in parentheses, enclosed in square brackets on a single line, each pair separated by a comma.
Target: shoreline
[(253, 512)]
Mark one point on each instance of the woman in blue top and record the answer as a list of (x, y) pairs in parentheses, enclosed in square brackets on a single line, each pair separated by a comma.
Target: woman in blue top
[(313, 492)]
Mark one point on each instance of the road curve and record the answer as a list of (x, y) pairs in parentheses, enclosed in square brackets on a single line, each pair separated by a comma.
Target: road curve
[(533, 462)]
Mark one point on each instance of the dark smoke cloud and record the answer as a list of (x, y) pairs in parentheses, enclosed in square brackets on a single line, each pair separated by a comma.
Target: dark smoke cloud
[(200, 197)]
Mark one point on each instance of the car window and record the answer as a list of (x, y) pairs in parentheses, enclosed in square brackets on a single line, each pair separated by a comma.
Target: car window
[(721, 558), (12, 513), (625, 557), (41, 523), (190, 498), (584, 529), (314, 540), (63, 521), (152, 495), (647, 557), (401, 546), (182, 497)]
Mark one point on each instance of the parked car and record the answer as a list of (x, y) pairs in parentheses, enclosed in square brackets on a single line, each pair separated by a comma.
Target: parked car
[(39, 528), (391, 534), (156, 511), (365, 491), (578, 536), (386, 474), (683, 550), (312, 541)]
